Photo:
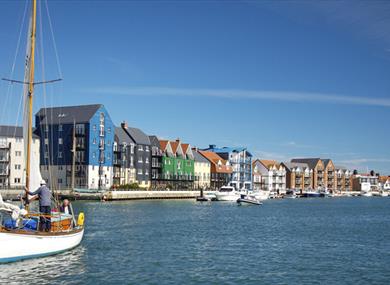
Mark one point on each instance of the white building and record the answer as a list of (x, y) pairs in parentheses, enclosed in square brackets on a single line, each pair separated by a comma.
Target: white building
[(12, 162), (273, 176)]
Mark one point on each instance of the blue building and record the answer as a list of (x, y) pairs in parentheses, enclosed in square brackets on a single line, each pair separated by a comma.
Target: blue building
[(240, 160), (94, 138)]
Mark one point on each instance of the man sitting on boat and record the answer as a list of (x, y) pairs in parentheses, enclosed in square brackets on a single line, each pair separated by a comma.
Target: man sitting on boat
[(65, 207), (44, 196)]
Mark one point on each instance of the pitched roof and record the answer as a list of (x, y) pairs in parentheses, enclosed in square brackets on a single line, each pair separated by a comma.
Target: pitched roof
[(154, 141), (269, 163), (200, 158), (67, 114), (123, 137), (184, 147), (163, 144), (326, 161), (13, 132), (174, 145), (312, 162), (137, 135), (214, 159), (290, 165)]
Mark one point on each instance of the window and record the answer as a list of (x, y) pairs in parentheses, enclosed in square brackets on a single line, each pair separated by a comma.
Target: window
[(108, 142), (94, 141), (80, 129), (17, 167), (131, 161), (146, 172), (59, 180), (18, 153), (140, 148), (147, 160), (146, 148), (60, 128), (140, 160), (94, 127), (108, 130), (139, 171), (60, 154), (17, 180), (94, 155), (60, 141), (132, 148)]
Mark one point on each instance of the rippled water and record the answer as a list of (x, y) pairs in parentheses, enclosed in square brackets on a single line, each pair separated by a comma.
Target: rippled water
[(301, 241)]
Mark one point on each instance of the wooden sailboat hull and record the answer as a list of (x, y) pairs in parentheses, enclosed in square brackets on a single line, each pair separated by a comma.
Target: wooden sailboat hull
[(15, 246)]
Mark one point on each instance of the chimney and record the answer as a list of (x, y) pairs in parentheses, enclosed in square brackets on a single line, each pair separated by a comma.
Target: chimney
[(124, 125)]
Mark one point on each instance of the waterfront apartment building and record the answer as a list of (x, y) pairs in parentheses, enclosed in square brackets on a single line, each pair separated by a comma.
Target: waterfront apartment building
[(343, 179), (330, 182), (177, 165), (202, 169), (123, 163), (257, 178), (365, 182), (315, 164), (299, 176), (220, 170), (93, 142), (12, 162), (141, 153), (240, 159), (157, 154), (273, 176)]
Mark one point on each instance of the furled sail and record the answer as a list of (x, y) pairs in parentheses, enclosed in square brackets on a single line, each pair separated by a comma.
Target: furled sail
[(35, 174)]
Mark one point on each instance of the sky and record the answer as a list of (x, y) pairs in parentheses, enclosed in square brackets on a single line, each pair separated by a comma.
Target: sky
[(286, 79)]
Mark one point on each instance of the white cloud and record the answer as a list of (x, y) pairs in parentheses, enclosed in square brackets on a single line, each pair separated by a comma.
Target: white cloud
[(240, 94)]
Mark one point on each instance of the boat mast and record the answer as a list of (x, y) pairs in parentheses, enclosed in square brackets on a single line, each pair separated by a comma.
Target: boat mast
[(73, 155), (31, 91)]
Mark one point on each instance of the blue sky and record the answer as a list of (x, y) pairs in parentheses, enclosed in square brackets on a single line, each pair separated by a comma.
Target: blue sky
[(287, 79)]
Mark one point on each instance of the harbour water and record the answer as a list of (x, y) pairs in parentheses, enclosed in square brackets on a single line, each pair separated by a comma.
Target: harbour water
[(300, 241)]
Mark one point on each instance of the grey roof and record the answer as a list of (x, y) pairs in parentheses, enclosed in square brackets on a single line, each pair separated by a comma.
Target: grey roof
[(13, 132), (290, 165), (312, 162), (154, 141), (326, 162), (340, 167), (67, 114), (123, 137), (138, 136), (199, 158)]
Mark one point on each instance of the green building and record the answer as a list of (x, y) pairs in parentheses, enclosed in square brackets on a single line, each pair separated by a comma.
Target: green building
[(177, 169)]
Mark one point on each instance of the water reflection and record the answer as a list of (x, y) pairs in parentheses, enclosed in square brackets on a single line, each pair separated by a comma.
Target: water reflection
[(56, 268)]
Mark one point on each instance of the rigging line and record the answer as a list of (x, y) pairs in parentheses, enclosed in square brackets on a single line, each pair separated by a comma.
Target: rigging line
[(53, 38), (10, 88)]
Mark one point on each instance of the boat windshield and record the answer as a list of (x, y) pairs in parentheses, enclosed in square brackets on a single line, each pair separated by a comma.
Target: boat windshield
[(226, 189)]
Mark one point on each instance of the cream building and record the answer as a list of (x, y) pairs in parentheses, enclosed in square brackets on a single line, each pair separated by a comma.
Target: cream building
[(202, 170), (12, 162)]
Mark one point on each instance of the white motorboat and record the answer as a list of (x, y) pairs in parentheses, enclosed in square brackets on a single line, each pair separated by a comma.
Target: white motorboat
[(383, 193), (227, 193), (260, 195), (366, 193), (290, 194), (248, 200)]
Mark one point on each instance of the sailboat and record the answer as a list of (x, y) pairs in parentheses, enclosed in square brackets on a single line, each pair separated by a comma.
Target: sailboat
[(19, 235)]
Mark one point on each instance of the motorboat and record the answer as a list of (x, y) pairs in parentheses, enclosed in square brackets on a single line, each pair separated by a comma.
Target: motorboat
[(260, 195), (227, 193), (366, 193), (383, 193), (311, 194), (246, 199), (290, 194)]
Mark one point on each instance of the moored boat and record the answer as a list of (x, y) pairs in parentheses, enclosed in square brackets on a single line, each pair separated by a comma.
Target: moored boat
[(248, 200), (227, 193), (21, 236)]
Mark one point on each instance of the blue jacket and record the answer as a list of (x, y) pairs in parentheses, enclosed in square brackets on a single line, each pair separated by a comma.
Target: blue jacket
[(44, 195)]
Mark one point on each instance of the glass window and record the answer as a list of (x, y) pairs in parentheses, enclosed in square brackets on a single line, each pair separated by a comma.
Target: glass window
[(60, 141)]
